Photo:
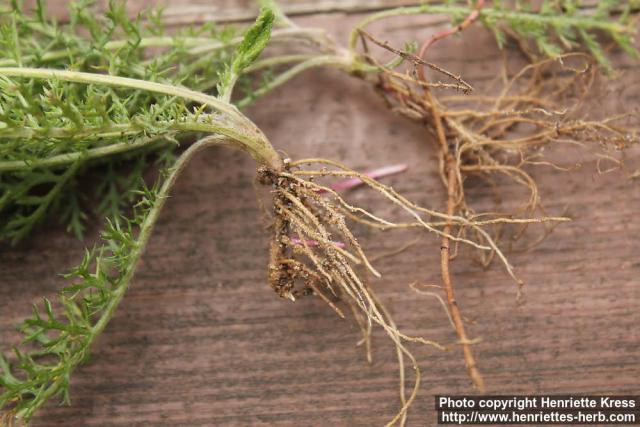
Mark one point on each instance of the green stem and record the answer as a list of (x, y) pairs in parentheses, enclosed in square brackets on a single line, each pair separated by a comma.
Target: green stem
[(584, 22), (94, 153), (197, 45), (115, 81), (98, 152), (260, 65), (86, 133), (241, 130), (146, 228), (341, 62), (277, 60)]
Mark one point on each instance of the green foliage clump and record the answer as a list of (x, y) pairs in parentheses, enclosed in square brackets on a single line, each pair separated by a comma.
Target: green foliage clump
[(78, 115), (560, 26), (51, 132), (61, 338)]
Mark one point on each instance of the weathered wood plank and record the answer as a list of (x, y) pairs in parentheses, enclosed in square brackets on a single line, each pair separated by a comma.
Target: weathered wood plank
[(201, 340), (199, 11), (186, 12)]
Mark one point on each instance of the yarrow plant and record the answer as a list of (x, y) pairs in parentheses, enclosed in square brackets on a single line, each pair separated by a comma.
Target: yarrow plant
[(193, 57), (57, 120), (103, 90)]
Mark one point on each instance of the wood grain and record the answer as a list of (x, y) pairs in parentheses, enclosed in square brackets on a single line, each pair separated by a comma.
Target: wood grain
[(190, 11), (201, 340)]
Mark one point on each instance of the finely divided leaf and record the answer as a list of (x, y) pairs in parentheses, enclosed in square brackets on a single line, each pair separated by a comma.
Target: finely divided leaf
[(253, 43)]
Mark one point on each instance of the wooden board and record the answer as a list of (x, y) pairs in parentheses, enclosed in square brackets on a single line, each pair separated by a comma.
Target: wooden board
[(190, 11), (200, 339)]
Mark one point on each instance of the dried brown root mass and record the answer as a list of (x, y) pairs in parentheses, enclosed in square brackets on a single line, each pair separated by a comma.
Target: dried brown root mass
[(503, 133), (335, 266)]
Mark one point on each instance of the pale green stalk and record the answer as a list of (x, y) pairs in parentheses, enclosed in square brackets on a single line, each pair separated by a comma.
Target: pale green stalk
[(148, 224), (581, 22), (197, 45), (344, 63), (240, 130), (146, 228)]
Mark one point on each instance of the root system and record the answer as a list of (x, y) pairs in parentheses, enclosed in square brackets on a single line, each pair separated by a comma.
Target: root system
[(313, 250), (503, 133)]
